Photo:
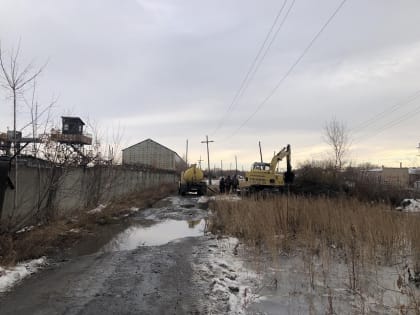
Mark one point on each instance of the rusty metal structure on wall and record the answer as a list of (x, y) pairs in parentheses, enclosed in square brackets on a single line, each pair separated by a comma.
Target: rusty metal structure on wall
[(72, 135)]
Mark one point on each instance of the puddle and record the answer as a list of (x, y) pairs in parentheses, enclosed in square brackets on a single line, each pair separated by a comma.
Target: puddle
[(154, 235)]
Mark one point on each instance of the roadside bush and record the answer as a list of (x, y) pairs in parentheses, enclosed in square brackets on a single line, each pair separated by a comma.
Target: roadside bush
[(322, 179), (317, 181)]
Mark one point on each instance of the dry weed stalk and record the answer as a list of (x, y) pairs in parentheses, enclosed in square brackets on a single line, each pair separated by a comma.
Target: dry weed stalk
[(370, 229)]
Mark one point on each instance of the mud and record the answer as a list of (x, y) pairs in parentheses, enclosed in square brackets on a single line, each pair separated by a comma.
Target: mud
[(158, 262)]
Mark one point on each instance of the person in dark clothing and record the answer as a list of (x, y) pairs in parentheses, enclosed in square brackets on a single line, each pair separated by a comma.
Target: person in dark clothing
[(5, 181), (222, 185), (235, 183), (228, 184)]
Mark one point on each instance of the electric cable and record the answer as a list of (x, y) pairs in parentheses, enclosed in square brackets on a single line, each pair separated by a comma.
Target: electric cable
[(392, 109), (266, 50), (253, 64), (391, 123), (293, 66)]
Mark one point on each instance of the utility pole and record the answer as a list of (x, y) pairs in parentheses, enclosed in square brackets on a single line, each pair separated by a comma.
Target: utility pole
[(221, 167), (236, 165), (259, 143), (208, 156), (186, 154), (199, 162)]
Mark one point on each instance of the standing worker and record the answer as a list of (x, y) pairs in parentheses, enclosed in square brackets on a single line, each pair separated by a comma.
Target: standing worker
[(235, 183), (228, 184), (222, 185)]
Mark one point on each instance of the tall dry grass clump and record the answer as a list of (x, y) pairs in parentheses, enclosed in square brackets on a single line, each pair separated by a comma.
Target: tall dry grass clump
[(361, 229)]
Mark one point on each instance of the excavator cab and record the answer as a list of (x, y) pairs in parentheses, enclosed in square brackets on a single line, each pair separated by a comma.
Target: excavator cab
[(261, 166)]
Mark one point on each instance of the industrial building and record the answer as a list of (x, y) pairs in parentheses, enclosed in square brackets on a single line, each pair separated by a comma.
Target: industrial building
[(394, 176), (150, 153)]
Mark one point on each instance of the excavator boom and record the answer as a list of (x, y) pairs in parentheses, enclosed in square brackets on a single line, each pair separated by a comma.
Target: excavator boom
[(263, 176)]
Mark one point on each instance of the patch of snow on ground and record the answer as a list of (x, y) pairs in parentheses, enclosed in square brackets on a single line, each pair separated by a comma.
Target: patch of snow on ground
[(98, 209), (410, 205), (10, 276), (228, 197), (134, 209), (25, 229), (230, 284), (203, 199)]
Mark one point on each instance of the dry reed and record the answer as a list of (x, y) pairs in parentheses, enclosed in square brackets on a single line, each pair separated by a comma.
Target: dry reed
[(361, 229)]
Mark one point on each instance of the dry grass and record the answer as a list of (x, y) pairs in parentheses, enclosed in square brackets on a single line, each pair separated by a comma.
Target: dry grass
[(370, 230), (55, 236), (360, 235)]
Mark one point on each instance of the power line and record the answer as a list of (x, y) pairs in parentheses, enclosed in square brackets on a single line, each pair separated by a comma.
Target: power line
[(286, 75), (267, 49), (391, 123), (253, 64), (391, 109)]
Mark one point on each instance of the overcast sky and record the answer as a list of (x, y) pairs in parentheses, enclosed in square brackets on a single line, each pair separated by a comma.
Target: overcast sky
[(169, 70)]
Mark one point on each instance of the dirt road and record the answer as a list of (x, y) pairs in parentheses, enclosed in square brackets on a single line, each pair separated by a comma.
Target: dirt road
[(162, 263)]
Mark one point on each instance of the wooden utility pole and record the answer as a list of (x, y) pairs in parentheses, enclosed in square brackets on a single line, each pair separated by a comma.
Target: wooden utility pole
[(186, 154), (236, 165), (259, 143), (199, 162), (208, 156)]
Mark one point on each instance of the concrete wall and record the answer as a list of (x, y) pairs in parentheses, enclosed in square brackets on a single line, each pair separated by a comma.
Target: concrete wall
[(43, 191)]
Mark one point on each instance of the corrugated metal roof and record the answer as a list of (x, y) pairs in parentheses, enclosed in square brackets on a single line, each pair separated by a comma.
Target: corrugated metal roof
[(150, 140)]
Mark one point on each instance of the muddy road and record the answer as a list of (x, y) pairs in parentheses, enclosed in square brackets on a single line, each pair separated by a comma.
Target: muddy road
[(162, 262)]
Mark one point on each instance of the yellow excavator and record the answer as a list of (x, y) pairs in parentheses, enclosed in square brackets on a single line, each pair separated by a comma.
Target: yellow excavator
[(265, 177)]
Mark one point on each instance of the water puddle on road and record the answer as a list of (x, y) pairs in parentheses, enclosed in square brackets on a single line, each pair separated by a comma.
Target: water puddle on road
[(154, 235)]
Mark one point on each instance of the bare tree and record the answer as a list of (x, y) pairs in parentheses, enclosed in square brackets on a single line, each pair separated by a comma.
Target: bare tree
[(336, 135), (40, 116), (14, 80)]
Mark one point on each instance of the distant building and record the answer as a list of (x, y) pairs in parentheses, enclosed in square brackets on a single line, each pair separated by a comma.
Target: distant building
[(151, 153), (414, 174), (393, 176)]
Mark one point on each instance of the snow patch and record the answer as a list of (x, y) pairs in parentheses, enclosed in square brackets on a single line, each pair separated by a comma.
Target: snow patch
[(229, 197), (134, 209), (98, 209), (10, 276), (409, 205), (203, 199), (230, 284), (25, 229)]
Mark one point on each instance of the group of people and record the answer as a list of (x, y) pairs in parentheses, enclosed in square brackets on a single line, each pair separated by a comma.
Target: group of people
[(229, 184)]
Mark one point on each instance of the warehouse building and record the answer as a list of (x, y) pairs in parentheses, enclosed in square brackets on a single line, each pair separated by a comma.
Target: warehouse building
[(150, 153)]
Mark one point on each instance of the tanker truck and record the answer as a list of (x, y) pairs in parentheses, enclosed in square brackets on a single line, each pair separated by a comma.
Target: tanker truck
[(192, 181)]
